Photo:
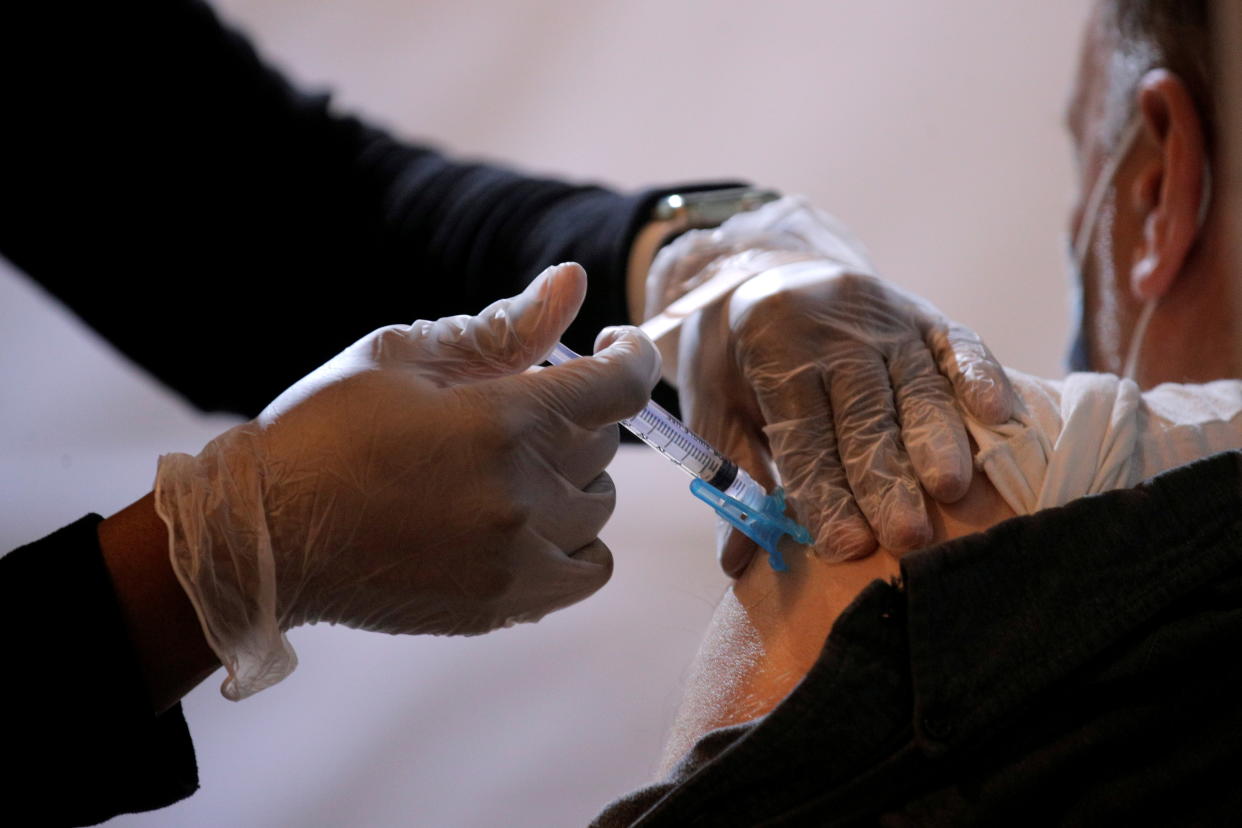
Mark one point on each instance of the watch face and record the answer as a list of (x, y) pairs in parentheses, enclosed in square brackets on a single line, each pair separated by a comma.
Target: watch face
[(709, 208)]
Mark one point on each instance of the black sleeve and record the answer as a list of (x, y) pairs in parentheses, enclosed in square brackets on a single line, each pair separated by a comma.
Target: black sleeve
[(79, 734), (230, 233)]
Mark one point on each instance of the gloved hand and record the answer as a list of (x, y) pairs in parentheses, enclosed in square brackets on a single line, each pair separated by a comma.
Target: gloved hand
[(845, 382), (423, 481)]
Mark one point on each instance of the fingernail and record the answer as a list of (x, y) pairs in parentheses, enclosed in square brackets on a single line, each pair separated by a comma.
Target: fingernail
[(905, 533), (946, 483)]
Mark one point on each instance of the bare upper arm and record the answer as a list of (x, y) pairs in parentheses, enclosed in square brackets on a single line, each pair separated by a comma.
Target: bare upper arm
[(769, 627)]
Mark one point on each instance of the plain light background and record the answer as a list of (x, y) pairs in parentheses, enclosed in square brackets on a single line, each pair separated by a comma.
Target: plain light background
[(931, 129)]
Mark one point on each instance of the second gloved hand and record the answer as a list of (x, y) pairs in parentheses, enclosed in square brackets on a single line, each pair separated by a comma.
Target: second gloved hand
[(842, 381), (423, 481)]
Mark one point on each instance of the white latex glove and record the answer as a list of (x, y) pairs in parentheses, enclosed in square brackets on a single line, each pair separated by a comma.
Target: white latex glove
[(843, 381), (423, 481)]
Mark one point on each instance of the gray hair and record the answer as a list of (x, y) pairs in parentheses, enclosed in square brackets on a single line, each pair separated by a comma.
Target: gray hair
[(1150, 34)]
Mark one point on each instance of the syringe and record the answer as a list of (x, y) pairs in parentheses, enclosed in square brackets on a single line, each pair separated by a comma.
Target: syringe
[(718, 481)]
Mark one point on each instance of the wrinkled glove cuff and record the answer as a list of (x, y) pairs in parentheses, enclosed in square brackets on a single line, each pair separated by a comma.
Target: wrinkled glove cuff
[(221, 552), (791, 225)]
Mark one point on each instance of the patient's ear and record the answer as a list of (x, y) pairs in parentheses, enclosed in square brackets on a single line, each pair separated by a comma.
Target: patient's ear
[(1168, 187)]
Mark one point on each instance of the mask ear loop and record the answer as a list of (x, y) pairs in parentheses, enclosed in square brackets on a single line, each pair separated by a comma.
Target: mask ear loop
[(1136, 339), (1080, 242), (1140, 328), (1091, 210)]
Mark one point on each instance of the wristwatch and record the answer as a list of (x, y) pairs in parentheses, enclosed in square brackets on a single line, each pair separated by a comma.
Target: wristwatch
[(673, 215)]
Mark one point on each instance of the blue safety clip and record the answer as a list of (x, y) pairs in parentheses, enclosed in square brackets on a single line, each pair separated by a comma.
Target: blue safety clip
[(764, 527)]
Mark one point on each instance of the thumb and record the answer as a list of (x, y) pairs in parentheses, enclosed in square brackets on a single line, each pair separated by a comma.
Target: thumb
[(613, 384), (508, 336)]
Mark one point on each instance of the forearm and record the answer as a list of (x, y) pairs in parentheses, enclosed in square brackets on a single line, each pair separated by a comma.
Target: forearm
[(162, 624)]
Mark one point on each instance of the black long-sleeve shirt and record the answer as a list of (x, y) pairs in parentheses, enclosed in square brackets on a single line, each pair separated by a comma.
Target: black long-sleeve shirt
[(231, 233)]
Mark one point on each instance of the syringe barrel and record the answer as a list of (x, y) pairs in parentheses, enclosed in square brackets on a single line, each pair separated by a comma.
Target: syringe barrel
[(732, 493), (656, 427)]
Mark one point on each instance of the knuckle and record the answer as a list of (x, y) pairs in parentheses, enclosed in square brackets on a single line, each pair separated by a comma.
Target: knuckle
[(603, 493), (596, 518), (865, 418), (762, 313), (857, 290), (924, 395), (509, 344), (851, 283), (962, 338), (508, 517), (608, 494)]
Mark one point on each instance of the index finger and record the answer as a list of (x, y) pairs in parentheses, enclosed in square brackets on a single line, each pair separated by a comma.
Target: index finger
[(804, 446), (869, 439)]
